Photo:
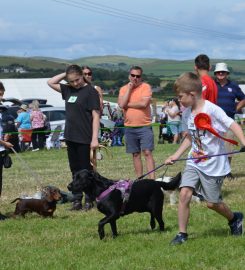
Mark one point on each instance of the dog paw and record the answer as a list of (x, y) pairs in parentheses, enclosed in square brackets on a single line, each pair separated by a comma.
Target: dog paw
[(101, 233)]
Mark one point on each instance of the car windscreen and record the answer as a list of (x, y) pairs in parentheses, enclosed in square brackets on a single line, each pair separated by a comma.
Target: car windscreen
[(55, 115)]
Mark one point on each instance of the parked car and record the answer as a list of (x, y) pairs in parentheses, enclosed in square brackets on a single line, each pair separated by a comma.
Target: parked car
[(13, 104), (41, 101), (55, 116)]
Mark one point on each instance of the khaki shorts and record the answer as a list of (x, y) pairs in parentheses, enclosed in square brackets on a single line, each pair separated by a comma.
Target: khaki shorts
[(208, 186)]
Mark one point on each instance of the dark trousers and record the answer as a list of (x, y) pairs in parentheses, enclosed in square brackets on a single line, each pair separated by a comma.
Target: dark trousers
[(79, 159), (1, 171), (38, 138)]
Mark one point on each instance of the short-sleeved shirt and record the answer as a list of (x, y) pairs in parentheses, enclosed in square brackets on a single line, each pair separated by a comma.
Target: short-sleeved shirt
[(227, 96), (205, 143), (79, 104), (24, 120), (174, 110), (137, 117), (209, 89), (37, 119)]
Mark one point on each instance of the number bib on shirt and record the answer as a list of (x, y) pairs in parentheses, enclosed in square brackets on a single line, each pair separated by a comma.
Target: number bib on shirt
[(72, 99)]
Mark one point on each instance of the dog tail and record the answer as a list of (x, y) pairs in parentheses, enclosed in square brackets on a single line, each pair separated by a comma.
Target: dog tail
[(17, 199), (172, 184)]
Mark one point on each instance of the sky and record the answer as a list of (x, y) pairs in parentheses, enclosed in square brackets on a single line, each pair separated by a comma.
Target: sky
[(165, 29)]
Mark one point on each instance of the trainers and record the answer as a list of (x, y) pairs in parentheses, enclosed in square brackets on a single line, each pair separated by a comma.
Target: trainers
[(179, 239), (237, 225), (88, 206), (76, 206), (34, 150)]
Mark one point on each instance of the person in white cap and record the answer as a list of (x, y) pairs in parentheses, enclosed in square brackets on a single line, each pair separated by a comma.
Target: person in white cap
[(228, 94)]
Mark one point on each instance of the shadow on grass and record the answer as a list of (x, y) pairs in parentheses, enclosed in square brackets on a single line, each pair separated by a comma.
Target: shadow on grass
[(226, 193), (236, 175), (215, 232), (144, 231)]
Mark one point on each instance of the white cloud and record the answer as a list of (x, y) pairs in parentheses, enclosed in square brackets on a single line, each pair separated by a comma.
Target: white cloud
[(239, 7)]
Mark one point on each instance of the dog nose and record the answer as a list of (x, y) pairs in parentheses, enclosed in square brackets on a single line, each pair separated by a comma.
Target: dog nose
[(69, 187)]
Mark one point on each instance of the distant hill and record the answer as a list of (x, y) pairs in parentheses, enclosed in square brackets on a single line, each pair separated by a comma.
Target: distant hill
[(33, 62), (166, 69)]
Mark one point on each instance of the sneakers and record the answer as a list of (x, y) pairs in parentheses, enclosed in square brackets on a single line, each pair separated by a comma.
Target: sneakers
[(237, 225), (88, 206), (76, 206), (179, 239), (35, 150)]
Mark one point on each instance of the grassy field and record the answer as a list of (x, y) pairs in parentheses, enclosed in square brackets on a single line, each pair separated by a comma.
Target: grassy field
[(70, 240)]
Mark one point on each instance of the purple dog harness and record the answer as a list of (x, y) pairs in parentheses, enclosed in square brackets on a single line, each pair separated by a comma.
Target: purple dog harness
[(123, 185)]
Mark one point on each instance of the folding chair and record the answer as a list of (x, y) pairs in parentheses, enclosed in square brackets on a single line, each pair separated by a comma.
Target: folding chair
[(25, 138), (53, 141)]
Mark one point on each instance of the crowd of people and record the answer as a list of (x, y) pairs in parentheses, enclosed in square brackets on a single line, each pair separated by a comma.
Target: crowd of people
[(196, 92)]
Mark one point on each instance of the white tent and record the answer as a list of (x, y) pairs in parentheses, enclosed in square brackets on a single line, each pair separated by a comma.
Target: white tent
[(38, 88), (32, 88)]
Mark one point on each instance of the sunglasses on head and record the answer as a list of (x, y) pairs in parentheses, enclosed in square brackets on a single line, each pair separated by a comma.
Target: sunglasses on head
[(87, 73), (134, 75)]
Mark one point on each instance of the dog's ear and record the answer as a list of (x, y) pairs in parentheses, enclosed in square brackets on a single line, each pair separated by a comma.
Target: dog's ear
[(51, 193), (47, 195)]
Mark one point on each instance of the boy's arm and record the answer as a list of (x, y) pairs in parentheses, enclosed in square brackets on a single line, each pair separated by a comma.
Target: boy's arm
[(183, 147), (237, 130)]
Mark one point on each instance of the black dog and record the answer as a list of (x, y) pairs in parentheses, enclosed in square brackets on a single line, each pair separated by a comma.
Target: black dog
[(145, 196)]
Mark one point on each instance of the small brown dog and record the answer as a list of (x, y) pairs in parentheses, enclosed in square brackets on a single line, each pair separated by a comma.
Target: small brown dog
[(44, 207)]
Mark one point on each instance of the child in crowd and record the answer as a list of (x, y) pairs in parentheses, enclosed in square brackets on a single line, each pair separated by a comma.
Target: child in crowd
[(207, 174)]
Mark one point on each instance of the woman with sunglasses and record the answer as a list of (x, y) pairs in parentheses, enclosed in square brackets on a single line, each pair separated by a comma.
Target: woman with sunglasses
[(82, 122), (88, 75)]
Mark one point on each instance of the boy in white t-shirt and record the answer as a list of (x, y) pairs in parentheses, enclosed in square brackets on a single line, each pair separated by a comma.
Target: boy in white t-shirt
[(205, 174)]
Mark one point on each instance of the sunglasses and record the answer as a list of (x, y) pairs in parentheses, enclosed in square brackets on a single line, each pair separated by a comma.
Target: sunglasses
[(134, 75), (220, 72), (87, 74)]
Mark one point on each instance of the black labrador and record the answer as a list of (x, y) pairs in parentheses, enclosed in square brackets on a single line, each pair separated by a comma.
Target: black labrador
[(145, 196)]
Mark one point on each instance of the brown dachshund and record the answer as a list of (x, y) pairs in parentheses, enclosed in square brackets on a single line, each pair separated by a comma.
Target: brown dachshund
[(44, 207)]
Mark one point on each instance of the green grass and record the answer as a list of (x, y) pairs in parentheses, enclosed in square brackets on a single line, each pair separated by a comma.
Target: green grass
[(70, 240)]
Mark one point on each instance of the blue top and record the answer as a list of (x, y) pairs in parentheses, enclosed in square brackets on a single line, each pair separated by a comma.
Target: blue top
[(227, 96), (24, 120)]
